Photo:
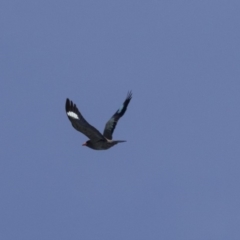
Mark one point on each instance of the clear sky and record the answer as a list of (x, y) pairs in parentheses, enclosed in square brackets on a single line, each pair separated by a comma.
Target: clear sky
[(177, 176)]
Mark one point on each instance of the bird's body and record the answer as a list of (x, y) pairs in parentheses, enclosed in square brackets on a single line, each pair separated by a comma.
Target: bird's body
[(96, 140), (102, 144)]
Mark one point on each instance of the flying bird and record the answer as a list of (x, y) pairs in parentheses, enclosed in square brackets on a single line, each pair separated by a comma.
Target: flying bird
[(96, 140)]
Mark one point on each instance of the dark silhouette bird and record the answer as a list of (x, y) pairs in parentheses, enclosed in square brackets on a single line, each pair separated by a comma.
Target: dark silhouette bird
[(96, 140)]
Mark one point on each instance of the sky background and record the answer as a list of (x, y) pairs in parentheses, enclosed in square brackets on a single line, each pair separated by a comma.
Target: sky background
[(177, 176)]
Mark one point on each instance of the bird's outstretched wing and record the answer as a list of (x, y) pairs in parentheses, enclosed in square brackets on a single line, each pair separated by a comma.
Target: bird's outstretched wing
[(111, 124), (80, 124)]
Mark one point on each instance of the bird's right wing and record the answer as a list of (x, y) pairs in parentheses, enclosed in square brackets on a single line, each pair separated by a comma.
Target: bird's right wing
[(112, 122), (80, 124)]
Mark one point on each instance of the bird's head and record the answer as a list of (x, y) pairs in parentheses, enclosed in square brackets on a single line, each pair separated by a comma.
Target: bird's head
[(87, 144)]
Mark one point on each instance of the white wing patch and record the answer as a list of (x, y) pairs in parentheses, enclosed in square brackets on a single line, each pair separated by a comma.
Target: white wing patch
[(73, 115), (120, 109)]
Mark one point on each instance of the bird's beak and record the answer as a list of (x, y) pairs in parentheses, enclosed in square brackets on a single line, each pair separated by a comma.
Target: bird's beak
[(84, 144)]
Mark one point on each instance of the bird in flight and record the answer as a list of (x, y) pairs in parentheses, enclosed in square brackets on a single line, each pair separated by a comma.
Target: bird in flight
[(96, 140)]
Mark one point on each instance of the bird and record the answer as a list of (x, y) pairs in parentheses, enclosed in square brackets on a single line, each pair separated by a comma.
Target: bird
[(97, 140)]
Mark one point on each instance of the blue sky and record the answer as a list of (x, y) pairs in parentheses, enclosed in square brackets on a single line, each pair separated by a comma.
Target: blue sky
[(177, 176)]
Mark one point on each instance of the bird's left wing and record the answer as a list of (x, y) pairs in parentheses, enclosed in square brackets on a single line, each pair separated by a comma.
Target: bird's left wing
[(80, 124), (111, 124)]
